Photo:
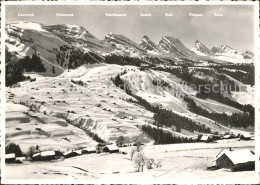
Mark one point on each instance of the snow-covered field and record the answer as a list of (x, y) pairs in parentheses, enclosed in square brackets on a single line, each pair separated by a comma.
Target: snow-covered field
[(54, 133), (178, 162)]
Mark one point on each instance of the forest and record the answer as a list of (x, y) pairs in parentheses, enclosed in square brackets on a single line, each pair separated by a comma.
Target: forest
[(16, 67), (235, 120), (161, 137)]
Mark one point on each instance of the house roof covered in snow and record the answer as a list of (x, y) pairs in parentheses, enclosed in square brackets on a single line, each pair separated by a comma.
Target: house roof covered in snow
[(240, 156), (10, 156), (112, 147), (48, 153), (246, 135), (37, 154), (78, 152), (68, 152), (204, 138), (90, 149), (20, 158), (226, 136), (222, 152)]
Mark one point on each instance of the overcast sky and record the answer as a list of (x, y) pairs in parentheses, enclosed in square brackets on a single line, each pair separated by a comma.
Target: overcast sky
[(235, 28)]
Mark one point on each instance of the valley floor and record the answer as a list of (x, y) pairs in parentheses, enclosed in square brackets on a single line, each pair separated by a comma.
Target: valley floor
[(179, 161)]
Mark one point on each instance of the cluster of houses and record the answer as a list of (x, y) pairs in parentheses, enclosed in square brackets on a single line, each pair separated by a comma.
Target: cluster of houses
[(210, 138), (236, 160), (52, 154)]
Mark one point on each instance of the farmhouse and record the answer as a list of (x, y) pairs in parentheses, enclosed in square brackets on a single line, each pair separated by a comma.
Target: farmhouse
[(205, 139), (89, 150), (10, 158), (110, 148), (236, 160)]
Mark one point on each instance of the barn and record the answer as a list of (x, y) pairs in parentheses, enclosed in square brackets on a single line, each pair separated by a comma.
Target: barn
[(110, 148), (237, 160), (10, 158)]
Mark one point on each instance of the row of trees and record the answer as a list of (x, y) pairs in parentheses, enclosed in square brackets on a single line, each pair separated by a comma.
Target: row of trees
[(169, 119), (235, 120), (123, 60)]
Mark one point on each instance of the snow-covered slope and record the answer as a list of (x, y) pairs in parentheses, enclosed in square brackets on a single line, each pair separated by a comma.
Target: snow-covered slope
[(25, 38)]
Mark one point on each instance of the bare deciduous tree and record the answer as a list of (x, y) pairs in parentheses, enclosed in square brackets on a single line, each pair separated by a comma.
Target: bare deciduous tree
[(139, 161), (133, 150)]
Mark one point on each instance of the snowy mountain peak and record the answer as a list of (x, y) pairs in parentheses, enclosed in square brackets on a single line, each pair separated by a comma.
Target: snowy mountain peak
[(201, 49), (75, 32)]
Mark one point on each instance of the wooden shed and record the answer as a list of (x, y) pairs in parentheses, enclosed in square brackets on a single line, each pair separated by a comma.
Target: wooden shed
[(237, 160)]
